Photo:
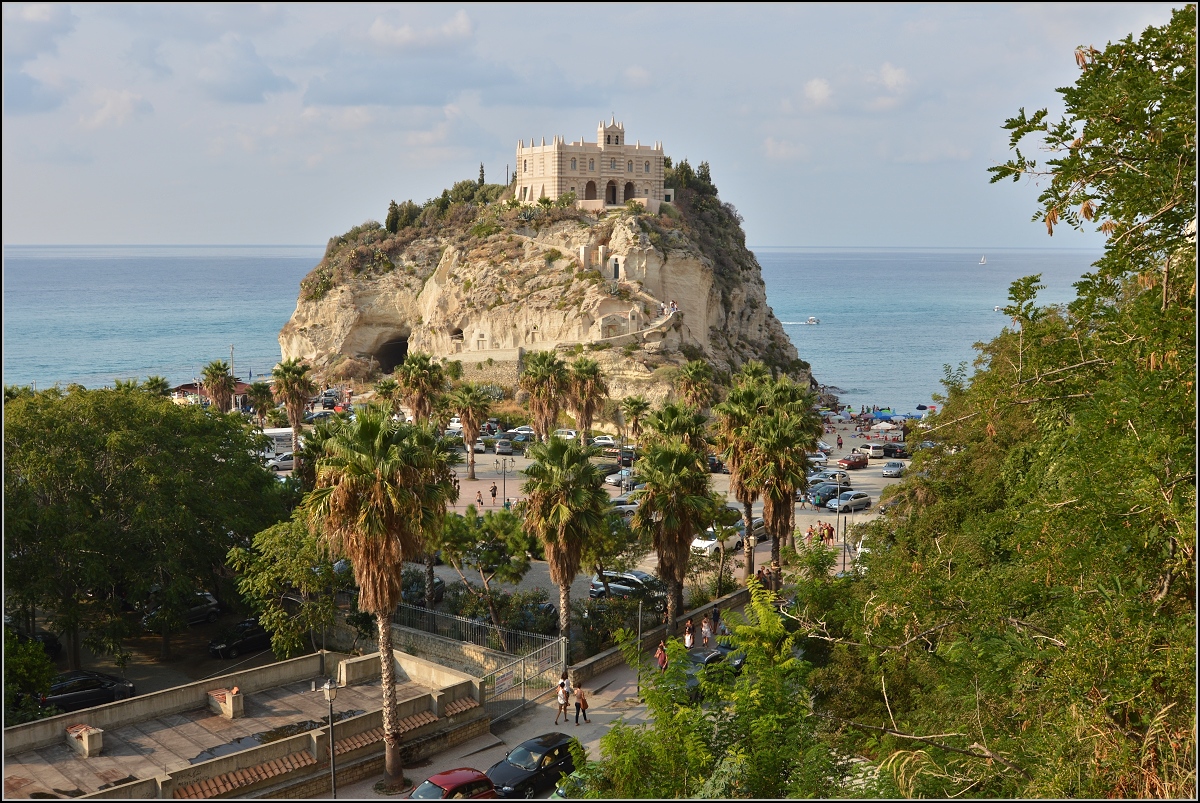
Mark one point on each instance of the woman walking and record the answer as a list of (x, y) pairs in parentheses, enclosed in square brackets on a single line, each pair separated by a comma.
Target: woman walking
[(581, 705), (705, 630), (660, 657), (564, 697), (689, 634)]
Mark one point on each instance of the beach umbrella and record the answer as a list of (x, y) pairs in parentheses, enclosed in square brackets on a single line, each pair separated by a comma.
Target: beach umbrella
[(883, 426)]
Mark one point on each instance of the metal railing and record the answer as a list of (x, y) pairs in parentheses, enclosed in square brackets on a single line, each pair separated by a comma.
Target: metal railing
[(483, 633)]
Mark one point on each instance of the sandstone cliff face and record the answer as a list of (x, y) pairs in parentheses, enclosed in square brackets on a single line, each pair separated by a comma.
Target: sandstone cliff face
[(492, 292)]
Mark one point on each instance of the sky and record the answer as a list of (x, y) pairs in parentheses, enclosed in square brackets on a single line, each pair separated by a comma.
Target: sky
[(825, 125)]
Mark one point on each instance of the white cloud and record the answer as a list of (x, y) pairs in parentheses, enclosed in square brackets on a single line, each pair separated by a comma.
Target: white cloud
[(235, 73), (637, 77), (115, 108), (458, 29), (893, 78), (818, 91), (783, 151)]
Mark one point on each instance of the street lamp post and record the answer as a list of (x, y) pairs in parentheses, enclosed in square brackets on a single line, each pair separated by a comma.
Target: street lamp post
[(330, 693), (503, 464)]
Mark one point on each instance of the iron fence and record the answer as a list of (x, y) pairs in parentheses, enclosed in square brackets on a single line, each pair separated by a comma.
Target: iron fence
[(526, 680), (473, 631)]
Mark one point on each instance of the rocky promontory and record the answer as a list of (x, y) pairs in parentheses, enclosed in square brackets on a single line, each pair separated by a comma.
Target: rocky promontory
[(483, 280)]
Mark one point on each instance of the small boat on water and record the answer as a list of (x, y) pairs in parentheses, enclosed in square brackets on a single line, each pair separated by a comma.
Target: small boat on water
[(983, 260), (812, 321), (997, 308)]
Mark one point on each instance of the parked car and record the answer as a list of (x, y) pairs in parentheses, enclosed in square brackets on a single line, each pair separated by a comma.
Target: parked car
[(824, 447), (620, 478), (820, 494), (524, 429), (830, 475), (703, 659), (48, 640), (504, 446), (706, 542), (244, 637), (849, 501), (463, 782), (716, 465), (604, 441), (817, 458), (627, 457), (480, 448), (854, 460), (894, 468), (204, 608), (896, 450), (413, 593), (83, 688), (533, 766), (565, 434), (535, 617), (632, 584), (282, 462)]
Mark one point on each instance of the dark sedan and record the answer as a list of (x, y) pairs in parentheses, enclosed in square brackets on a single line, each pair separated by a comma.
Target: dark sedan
[(82, 688), (895, 450), (533, 766), (244, 637)]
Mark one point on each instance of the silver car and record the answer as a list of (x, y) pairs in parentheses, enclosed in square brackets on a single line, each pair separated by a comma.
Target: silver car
[(894, 468), (850, 501), (282, 462)]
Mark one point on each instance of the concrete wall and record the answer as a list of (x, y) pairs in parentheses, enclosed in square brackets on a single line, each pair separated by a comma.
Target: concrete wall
[(147, 788), (47, 732), (243, 760)]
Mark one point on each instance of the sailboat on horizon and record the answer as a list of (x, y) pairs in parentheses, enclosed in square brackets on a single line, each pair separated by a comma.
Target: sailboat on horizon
[(983, 260)]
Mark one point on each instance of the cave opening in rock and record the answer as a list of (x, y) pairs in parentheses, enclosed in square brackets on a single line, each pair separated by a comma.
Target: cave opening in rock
[(391, 354)]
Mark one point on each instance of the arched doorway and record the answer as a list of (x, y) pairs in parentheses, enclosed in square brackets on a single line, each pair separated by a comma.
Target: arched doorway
[(629, 191), (610, 193), (589, 192)]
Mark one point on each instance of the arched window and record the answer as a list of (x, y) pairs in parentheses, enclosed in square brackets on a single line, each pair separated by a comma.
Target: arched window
[(618, 139), (607, 140), (526, 167), (591, 164), (629, 167), (572, 164), (612, 164), (647, 167)]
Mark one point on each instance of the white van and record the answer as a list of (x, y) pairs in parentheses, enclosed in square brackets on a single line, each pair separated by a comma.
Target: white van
[(280, 440), (871, 449)]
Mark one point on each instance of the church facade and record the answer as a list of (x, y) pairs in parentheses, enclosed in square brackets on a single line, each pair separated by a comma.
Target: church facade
[(607, 172)]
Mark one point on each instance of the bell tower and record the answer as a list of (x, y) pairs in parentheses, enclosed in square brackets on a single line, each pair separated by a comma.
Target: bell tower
[(611, 135)]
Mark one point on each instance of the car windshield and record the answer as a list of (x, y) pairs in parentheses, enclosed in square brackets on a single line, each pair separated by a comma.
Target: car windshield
[(846, 495), (525, 758), (707, 535), (428, 791)]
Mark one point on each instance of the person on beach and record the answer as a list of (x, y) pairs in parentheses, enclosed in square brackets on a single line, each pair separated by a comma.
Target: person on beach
[(479, 498), (564, 697), (808, 537), (660, 657), (581, 705), (839, 441), (705, 630), (493, 491), (689, 634)]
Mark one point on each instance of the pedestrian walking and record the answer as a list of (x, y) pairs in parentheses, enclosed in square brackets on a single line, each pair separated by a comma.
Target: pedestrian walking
[(492, 491), (660, 657), (808, 536), (839, 441), (689, 634), (479, 498), (705, 630), (564, 697), (581, 705)]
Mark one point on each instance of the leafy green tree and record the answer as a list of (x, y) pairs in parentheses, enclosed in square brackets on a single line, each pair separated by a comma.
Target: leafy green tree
[(544, 377), (586, 391), (294, 387), (218, 384), (126, 385), (388, 391), (494, 546), (28, 673), (481, 181), (369, 504), (617, 547), (421, 381), (157, 385), (392, 221), (682, 423), (107, 495), (262, 399), (289, 579), (673, 506), (472, 406), (565, 507)]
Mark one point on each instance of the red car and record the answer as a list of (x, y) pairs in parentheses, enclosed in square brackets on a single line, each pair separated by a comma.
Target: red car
[(463, 782), (853, 460)]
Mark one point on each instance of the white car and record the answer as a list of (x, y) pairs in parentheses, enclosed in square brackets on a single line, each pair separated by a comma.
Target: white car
[(281, 462), (565, 434), (706, 542), (524, 429), (604, 440), (824, 447), (817, 458)]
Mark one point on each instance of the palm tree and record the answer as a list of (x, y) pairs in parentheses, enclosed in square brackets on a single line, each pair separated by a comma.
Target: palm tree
[(733, 419), (126, 385), (219, 384), (679, 422), (634, 408), (471, 405), (565, 506), (545, 380), (752, 372), (262, 399), (420, 380), (586, 391), (694, 384), (157, 385), (368, 504), (388, 390), (294, 387), (674, 504), (776, 464)]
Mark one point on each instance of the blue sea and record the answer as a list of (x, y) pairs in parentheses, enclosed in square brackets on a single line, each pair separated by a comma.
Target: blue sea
[(890, 318)]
